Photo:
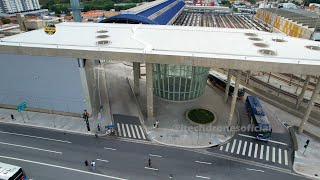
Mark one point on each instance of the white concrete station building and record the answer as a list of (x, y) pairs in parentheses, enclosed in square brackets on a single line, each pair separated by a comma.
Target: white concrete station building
[(48, 70)]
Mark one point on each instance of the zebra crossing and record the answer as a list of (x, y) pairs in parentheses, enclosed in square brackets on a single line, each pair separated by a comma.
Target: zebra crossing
[(130, 131), (257, 151)]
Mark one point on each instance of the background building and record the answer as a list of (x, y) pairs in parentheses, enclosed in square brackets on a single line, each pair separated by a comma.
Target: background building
[(14, 6)]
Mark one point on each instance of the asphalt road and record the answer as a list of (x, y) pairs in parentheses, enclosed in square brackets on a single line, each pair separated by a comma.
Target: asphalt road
[(54, 155)]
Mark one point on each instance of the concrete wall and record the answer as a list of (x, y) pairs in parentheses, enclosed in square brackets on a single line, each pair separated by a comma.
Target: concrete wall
[(43, 82)]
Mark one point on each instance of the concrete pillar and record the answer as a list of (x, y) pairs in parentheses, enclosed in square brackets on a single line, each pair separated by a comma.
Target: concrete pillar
[(226, 93), (149, 90), (247, 78), (234, 97), (139, 69), (136, 71), (310, 105), (301, 95), (84, 82), (21, 19)]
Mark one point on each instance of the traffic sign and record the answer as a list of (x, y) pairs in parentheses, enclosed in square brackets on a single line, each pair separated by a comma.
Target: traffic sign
[(22, 106)]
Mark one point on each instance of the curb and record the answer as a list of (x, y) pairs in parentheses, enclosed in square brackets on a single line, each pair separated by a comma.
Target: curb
[(304, 174), (52, 129)]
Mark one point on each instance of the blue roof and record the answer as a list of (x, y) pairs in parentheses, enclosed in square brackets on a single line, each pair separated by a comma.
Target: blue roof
[(256, 106), (160, 14)]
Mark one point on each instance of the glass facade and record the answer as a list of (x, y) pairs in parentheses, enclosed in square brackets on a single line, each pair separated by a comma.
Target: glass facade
[(179, 82)]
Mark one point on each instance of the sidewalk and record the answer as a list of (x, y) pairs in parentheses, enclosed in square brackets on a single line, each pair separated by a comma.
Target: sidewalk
[(49, 121)]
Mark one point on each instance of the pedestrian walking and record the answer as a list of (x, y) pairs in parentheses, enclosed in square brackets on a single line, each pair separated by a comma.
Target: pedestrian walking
[(93, 165), (157, 124), (86, 163), (99, 128), (96, 135), (149, 163), (88, 125), (86, 114), (12, 117)]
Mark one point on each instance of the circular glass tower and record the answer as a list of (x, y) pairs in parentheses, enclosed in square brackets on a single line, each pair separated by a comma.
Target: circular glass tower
[(179, 82)]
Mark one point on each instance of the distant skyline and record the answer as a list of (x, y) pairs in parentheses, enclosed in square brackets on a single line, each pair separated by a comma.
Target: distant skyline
[(15, 6)]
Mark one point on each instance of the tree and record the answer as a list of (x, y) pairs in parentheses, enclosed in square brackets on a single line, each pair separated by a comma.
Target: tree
[(5, 21), (252, 1)]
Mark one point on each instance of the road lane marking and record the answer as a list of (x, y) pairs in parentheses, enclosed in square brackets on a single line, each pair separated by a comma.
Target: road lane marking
[(277, 142), (227, 148), (28, 147), (133, 133), (110, 149), (250, 149), (239, 146), (151, 168), (62, 167), (267, 154), (255, 170), (141, 130), (279, 156), (261, 151), (129, 134), (155, 155), (244, 148), (102, 160), (201, 162), (221, 148), (255, 151), (118, 126), (137, 131), (273, 154), (286, 157), (233, 145), (203, 177), (123, 130), (25, 135)]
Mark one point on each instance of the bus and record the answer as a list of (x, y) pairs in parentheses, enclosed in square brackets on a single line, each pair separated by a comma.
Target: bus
[(11, 172), (262, 128), (220, 81)]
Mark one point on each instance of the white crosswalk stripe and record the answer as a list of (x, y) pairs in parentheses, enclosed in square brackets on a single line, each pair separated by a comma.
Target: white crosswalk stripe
[(250, 149), (279, 156), (239, 146), (267, 153), (261, 152), (286, 157), (131, 131), (123, 130), (118, 126), (227, 148), (137, 131), (244, 148), (143, 136), (129, 134), (256, 150), (233, 145)]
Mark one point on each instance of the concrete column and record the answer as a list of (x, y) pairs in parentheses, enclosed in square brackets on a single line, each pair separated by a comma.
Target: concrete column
[(226, 93), (149, 90), (310, 105), (301, 95), (136, 71), (247, 78), (84, 82), (234, 97), (139, 69)]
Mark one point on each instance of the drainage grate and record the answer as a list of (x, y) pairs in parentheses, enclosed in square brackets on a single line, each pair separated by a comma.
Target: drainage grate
[(261, 44), (316, 48), (103, 42), (102, 31), (102, 36), (267, 52), (251, 34), (278, 40), (255, 39)]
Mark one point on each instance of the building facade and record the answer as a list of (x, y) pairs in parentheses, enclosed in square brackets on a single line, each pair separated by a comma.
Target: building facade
[(15, 6)]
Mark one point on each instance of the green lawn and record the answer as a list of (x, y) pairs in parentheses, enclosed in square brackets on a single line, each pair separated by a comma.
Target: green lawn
[(201, 116)]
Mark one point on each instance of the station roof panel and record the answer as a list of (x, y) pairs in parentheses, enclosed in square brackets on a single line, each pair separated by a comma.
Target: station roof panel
[(181, 42)]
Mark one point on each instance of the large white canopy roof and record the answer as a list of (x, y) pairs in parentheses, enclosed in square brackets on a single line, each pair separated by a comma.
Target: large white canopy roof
[(199, 46)]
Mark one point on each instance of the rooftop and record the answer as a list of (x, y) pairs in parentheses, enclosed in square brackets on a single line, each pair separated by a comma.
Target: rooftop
[(226, 48)]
